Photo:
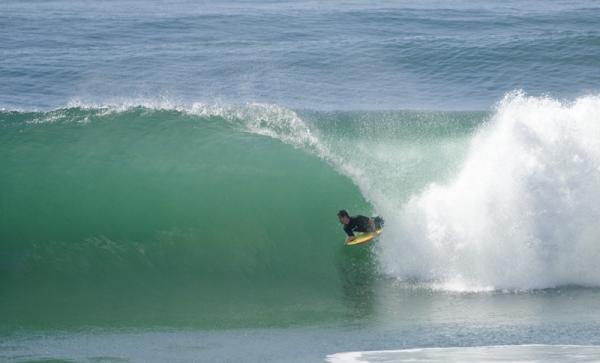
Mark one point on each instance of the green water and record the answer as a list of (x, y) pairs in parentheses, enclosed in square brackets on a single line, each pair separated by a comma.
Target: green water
[(150, 217), (207, 217)]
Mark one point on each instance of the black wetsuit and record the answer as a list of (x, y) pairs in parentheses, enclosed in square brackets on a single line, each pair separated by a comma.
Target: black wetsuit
[(357, 224)]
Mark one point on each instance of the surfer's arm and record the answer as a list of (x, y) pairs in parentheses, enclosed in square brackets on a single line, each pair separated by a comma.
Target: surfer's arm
[(349, 232), (350, 235), (371, 224)]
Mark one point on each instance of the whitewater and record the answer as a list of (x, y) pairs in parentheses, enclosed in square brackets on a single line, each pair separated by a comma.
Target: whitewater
[(521, 211)]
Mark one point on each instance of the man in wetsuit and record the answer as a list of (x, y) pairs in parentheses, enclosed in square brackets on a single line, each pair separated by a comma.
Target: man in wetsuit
[(358, 224)]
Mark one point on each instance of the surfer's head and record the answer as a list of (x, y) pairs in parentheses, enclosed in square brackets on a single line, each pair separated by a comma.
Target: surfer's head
[(343, 217)]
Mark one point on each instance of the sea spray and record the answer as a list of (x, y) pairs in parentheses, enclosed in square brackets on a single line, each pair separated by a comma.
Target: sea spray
[(522, 211)]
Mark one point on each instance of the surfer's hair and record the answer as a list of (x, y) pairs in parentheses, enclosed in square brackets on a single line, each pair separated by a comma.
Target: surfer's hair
[(343, 213)]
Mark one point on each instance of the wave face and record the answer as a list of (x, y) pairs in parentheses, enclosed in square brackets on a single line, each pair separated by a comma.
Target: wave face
[(165, 206), (217, 216)]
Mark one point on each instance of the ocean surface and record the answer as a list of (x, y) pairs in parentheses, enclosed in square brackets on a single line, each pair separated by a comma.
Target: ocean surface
[(170, 174)]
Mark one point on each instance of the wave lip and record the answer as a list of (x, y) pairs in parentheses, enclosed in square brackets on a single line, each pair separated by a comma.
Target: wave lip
[(522, 211)]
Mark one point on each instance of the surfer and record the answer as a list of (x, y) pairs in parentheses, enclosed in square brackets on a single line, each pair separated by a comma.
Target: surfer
[(358, 224)]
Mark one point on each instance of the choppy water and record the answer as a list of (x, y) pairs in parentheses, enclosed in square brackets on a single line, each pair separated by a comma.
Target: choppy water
[(306, 54), (171, 172)]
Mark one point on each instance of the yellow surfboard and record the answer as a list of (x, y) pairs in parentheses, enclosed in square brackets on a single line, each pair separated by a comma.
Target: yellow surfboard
[(364, 237)]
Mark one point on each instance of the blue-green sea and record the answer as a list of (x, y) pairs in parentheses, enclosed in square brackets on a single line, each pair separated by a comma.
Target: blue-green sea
[(170, 174)]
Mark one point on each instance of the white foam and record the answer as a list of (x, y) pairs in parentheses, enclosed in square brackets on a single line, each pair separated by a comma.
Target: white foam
[(521, 213), (505, 353)]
